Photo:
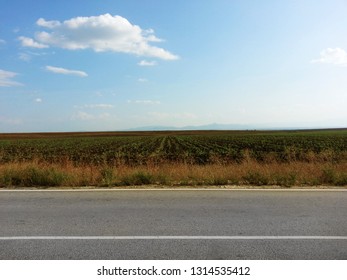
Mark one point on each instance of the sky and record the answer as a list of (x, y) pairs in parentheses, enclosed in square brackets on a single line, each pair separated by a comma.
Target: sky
[(105, 65)]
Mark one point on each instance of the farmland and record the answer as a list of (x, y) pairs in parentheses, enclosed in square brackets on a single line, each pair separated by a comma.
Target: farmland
[(312, 157)]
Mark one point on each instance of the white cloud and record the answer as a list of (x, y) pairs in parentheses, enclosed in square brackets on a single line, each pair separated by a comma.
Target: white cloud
[(83, 116), (142, 80), (99, 33), (99, 106), (336, 56), (147, 63), (49, 24), (6, 79), (29, 55), (96, 106), (59, 70), (29, 42), (24, 56), (38, 100), (2, 42), (145, 102)]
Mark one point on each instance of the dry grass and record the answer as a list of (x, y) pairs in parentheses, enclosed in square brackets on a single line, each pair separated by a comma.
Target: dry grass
[(174, 158), (249, 172)]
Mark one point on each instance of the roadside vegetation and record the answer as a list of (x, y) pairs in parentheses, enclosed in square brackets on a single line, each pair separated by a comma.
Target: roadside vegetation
[(177, 158)]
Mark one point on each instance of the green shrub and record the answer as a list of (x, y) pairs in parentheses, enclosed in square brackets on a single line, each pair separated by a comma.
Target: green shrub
[(138, 178), (163, 179), (107, 176), (285, 180), (33, 176), (341, 180), (329, 176), (256, 178), (10, 177), (218, 181)]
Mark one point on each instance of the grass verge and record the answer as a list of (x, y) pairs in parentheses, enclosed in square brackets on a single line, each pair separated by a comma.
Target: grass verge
[(36, 174)]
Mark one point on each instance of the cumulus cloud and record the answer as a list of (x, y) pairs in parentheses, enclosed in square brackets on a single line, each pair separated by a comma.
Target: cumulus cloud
[(49, 24), (6, 79), (29, 42), (147, 63), (336, 56), (59, 70), (99, 33)]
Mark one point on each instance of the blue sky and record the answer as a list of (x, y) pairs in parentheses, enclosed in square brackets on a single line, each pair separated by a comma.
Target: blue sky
[(111, 65)]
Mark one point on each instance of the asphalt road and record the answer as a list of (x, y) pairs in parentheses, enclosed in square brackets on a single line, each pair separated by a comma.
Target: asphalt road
[(163, 224)]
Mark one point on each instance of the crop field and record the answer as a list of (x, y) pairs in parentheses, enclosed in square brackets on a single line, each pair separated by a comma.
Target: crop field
[(285, 158)]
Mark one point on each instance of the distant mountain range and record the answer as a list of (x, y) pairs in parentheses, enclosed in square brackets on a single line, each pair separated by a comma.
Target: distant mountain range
[(212, 126)]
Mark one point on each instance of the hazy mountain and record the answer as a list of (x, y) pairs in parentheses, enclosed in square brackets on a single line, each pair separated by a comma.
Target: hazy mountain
[(216, 126), (213, 126)]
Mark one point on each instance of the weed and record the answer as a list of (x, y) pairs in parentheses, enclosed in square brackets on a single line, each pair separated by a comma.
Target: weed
[(138, 178), (285, 180), (107, 176), (218, 181), (33, 176), (329, 176), (256, 178), (341, 180)]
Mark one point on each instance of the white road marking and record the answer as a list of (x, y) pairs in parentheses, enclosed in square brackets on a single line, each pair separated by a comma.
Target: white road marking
[(169, 237)]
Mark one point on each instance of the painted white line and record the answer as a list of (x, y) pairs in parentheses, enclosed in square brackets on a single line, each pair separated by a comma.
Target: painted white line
[(169, 237)]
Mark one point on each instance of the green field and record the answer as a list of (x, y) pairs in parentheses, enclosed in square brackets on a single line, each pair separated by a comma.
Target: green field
[(115, 151), (193, 147)]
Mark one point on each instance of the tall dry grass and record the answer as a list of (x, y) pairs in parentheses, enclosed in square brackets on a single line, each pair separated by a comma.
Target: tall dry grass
[(248, 172)]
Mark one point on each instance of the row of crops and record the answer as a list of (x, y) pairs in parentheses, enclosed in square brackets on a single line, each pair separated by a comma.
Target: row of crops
[(226, 147)]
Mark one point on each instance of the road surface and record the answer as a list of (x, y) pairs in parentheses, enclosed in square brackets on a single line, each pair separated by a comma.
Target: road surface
[(173, 224)]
